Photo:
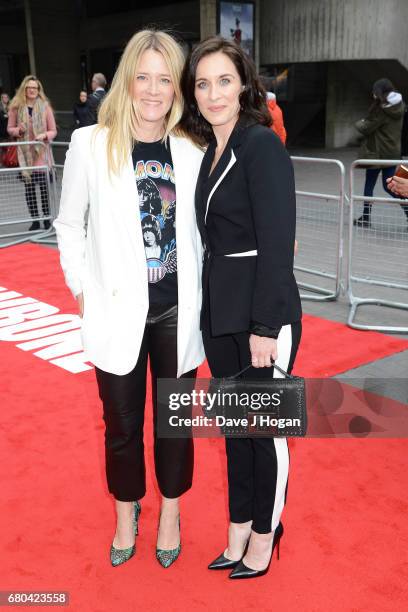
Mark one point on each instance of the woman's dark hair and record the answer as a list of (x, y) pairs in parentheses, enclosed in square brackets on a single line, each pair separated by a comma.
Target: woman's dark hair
[(150, 223), (252, 99), (381, 89), (153, 203)]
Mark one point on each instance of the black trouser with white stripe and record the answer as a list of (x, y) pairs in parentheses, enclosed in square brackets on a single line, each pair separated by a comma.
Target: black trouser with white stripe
[(258, 468)]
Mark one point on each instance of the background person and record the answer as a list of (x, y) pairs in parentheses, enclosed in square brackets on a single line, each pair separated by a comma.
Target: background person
[(81, 110), (4, 136), (98, 86), (278, 125), (246, 214), (381, 130), (31, 118)]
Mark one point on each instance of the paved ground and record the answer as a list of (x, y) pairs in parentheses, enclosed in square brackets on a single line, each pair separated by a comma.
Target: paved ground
[(379, 254)]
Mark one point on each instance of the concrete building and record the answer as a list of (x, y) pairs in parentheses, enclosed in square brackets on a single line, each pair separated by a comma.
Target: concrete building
[(333, 52), (323, 55)]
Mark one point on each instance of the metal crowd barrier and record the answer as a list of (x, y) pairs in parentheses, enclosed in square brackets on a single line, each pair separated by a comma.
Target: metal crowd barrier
[(319, 231), (15, 217), (377, 271), (59, 150)]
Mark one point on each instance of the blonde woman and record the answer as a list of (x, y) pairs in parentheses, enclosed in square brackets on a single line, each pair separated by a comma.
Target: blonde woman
[(31, 118), (133, 170)]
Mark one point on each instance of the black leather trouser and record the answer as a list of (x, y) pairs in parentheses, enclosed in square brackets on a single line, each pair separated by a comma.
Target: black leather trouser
[(123, 400)]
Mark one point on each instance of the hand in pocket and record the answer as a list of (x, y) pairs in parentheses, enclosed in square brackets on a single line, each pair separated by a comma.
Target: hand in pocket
[(80, 302)]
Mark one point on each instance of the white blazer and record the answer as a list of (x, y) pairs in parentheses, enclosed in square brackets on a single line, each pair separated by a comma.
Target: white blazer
[(107, 262)]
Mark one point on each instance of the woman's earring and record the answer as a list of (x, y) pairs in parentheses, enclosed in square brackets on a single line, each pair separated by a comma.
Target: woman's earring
[(198, 112)]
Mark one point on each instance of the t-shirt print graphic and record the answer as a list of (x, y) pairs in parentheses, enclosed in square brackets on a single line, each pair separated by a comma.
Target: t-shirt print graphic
[(157, 201)]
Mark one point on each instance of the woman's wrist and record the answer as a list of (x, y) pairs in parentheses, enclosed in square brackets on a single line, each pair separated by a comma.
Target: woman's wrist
[(259, 329)]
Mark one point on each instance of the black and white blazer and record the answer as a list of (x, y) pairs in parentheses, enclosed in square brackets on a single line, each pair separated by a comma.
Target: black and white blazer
[(246, 215)]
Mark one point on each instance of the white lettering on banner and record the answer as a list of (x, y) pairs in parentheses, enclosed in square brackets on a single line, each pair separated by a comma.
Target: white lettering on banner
[(39, 328), (8, 294), (18, 314), (16, 302), (34, 324)]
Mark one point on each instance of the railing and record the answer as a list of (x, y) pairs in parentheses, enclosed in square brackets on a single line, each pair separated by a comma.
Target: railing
[(26, 199), (319, 229), (377, 268), (377, 272)]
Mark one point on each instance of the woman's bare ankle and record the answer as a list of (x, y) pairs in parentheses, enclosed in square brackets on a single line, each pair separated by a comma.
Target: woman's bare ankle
[(259, 550), (170, 507), (124, 534), (238, 534), (168, 535)]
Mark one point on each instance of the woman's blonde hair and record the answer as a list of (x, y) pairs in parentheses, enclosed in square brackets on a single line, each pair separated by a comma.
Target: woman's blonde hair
[(117, 111), (20, 97)]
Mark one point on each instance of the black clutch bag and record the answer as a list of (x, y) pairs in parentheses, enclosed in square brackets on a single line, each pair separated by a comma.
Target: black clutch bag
[(274, 407)]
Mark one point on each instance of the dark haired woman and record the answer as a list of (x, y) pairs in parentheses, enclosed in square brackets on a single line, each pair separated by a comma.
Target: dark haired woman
[(4, 108), (245, 205), (382, 140), (81, 110)]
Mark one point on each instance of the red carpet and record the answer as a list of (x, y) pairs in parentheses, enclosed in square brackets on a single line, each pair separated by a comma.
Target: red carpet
[(346, 529)]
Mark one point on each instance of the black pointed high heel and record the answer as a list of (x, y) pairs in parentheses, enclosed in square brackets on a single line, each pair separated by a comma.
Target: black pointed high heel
[(242, 571), (222, 562)]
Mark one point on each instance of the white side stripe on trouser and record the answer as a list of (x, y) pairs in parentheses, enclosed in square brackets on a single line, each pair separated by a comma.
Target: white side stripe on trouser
[(281, 445)]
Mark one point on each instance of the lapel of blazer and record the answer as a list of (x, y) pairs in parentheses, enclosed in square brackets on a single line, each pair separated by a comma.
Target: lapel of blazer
[(200, 202), (182, 177), (235, 140), (186, 165), (231, 162)]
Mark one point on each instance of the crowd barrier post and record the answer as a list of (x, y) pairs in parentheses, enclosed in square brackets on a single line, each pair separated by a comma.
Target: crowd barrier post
[(319, 231), (14, 212), (377, 271)]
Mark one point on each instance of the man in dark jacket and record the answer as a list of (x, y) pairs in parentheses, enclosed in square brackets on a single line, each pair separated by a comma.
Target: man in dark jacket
[(98, 85), (381, 131)]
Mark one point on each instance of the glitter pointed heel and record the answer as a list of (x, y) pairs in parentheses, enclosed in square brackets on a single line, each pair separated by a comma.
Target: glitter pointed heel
[(168, 557), (121, 555)]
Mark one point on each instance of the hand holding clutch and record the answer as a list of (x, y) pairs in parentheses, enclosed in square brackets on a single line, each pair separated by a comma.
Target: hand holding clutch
[(264, 351)]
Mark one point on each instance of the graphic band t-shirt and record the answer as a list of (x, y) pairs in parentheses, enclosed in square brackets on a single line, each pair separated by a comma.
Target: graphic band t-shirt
[(157, 204)]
